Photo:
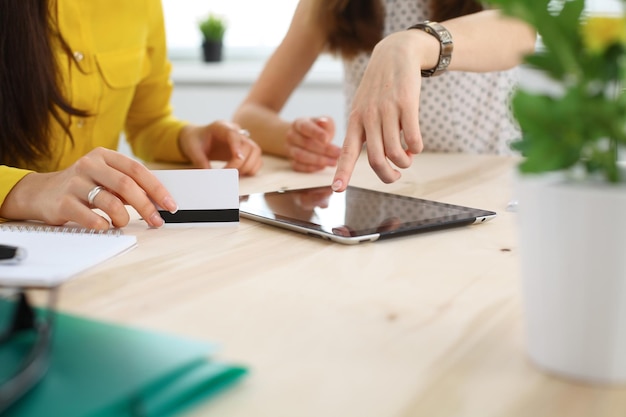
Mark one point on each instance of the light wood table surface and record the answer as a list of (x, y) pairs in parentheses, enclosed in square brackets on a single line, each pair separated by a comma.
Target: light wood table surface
[(427, 325)]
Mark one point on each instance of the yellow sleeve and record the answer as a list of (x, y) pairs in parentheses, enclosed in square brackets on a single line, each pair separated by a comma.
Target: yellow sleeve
[(151, 129), (8, 178)]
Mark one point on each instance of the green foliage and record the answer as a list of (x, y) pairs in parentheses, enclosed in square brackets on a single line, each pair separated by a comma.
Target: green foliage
[(584, 124), (212, 28)]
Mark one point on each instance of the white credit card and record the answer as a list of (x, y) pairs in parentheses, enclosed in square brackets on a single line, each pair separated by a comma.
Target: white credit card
[(202, 195)]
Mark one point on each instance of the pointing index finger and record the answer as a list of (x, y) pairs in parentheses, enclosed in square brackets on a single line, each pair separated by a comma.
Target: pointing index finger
[(350, 152)]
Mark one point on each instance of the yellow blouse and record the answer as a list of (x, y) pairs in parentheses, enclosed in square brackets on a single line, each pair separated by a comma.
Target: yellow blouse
[(119, 73)]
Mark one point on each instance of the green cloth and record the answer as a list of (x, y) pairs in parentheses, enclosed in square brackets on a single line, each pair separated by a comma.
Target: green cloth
[(99, 369)]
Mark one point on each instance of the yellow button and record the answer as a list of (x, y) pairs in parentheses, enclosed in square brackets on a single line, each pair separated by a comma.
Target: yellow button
[(80, 123), (78, 56)]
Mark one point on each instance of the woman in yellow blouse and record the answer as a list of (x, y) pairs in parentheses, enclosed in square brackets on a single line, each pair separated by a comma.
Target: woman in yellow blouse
[(73, 75)]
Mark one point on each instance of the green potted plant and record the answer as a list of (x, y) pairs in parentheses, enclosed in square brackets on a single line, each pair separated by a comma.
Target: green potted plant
[(213, 29), (571, 190)]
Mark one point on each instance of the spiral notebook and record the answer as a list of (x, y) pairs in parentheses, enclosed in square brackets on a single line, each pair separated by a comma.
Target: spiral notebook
[(56, 254)]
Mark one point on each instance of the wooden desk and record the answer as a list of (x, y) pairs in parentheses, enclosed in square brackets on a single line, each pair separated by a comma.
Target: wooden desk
[(428, 325)]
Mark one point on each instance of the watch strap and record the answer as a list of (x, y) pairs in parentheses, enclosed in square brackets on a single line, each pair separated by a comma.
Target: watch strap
[(446, 46)]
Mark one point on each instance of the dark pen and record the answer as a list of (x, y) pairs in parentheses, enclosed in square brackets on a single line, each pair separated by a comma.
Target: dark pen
[(11, 254)]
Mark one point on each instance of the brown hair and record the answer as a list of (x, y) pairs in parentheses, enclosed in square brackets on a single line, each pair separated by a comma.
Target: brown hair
[(354, 26), (29, 86)]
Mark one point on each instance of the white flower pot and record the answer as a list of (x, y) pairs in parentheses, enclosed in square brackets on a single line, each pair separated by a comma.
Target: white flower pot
[(573, 263)]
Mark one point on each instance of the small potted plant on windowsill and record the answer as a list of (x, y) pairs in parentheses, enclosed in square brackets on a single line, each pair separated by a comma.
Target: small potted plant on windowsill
[(213, 29), (571, 190)]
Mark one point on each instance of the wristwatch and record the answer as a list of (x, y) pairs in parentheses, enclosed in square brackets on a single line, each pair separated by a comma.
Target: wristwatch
[(446, 46)]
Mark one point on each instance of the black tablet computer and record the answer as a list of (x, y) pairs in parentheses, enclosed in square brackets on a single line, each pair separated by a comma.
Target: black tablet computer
[(356, 215)]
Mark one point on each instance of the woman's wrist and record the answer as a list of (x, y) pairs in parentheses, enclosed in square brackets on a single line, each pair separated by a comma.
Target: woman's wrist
[(18, 204), (423, 46)]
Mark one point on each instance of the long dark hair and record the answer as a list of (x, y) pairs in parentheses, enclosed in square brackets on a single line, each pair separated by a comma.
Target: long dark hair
[(29, 82), (354, 26)]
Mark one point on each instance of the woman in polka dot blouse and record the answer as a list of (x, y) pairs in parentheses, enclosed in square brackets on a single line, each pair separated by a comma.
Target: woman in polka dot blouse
[(432, 75)]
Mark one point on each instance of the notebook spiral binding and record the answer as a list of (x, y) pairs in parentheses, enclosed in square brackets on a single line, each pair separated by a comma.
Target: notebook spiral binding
[(58, 229)]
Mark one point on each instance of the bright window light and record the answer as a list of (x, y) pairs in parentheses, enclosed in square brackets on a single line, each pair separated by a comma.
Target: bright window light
[(254, 27)]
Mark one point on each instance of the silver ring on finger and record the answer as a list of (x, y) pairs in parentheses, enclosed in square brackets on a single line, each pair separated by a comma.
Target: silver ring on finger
[(244, 132), (93, 193)]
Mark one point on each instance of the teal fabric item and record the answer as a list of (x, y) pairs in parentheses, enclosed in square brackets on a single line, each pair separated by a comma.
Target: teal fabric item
[(101, 369)]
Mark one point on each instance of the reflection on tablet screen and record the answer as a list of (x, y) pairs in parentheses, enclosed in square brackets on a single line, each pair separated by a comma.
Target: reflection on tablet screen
[(356, 211)]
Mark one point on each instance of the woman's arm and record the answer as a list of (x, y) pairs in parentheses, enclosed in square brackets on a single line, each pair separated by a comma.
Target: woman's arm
[(386, 104), (305, 141), (488, 41)]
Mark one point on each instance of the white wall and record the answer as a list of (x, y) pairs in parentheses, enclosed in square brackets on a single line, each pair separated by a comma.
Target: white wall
[(206, 92)]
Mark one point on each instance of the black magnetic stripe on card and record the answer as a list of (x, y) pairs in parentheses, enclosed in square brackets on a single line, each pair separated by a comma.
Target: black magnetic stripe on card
[(201, 216)]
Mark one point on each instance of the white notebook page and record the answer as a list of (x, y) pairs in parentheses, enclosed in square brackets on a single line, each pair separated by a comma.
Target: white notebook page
[(56, 254)]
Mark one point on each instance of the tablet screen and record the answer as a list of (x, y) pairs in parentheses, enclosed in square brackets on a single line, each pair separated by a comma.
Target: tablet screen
[(355, 212)]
